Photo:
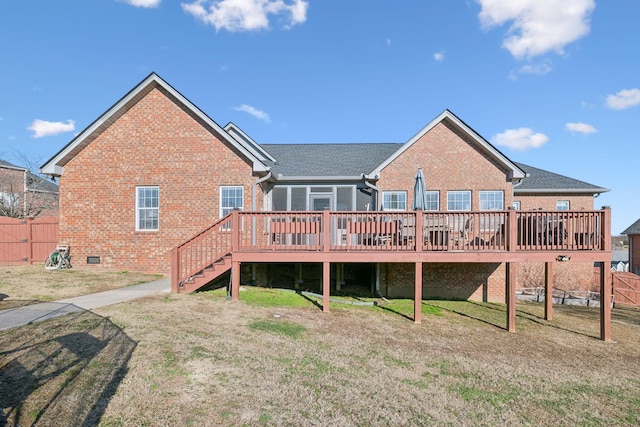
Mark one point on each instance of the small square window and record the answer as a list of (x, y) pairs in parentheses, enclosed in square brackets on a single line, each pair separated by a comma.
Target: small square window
[(394, 200), (562, 205), (491, 200), (458, 200)]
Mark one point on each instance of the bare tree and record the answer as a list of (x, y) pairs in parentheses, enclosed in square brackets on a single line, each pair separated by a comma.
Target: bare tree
[(24, 193)]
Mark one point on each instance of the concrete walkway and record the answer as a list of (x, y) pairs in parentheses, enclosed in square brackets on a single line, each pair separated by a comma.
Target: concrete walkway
[(29, 314)]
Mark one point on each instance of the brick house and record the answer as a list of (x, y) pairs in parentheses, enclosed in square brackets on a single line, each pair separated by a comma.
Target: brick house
[(633, 233), (24, 194), (154, 171)]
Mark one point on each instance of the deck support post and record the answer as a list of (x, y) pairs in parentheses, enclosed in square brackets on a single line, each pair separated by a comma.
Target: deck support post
[(235, 280), (175, 266), (511, 296), (605, 277), (605, 302), (326, 285), (548, 290), (417, 298)]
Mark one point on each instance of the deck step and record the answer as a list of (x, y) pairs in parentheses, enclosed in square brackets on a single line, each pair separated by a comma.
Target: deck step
[(206, 276)]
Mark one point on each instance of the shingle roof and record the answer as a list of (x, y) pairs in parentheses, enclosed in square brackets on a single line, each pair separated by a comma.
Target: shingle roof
[(346, 160), (633, 228), (542, 180)]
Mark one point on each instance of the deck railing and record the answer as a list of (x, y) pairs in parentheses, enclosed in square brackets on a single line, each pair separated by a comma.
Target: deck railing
[(430, 231), (202, 250), (324, 231)]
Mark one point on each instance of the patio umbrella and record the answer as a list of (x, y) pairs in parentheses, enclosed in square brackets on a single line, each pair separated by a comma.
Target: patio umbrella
[(419, 192)]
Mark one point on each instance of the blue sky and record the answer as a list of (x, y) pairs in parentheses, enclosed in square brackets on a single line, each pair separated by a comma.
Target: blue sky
[(552, 83)]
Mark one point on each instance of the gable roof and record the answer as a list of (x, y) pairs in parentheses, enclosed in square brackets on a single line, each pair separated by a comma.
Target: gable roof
[(633, 228), (327, 161), (55, 165), (34, 182), (515, 173), (542, 181), (255, 148)]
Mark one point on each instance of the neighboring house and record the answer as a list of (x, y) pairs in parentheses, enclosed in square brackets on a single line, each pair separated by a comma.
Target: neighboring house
[(154, 171), (25, 195), (633, 233)]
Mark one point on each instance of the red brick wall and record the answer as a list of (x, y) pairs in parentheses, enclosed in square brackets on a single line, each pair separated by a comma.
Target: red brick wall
[(154, 143), (473, 281), (450, 160), (547, 202)]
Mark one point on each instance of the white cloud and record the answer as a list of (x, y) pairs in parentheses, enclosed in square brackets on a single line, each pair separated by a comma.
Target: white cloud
[(580, 127), (143, 3), (247, 15), (42, 128), (624, 99), (538, 26), (520, 139), (388, 41), (438, 56), (254, 112), (539, 69)]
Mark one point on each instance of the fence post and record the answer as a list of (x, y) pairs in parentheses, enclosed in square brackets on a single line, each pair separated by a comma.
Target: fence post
[(419, 222), (512, 236), (326, 230), (235, 230)]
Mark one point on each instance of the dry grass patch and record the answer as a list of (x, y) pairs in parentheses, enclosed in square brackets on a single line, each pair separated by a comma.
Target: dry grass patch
[(28, 283), (202, 360)]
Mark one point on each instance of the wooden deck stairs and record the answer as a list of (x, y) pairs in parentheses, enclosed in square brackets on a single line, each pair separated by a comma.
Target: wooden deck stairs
[(206, 275)]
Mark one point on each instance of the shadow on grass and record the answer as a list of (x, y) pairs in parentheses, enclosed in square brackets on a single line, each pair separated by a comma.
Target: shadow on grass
[(396, 312), (475, 317), (311, 300), (63, 371)]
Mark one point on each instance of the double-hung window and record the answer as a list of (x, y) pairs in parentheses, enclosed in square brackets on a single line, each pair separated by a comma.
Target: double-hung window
[(231, 198), (394, 200), (562, 205), (147, 208), (433, 200), (458, 200)]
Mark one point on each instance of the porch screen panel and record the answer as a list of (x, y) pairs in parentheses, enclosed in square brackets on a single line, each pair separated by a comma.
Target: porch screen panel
[(299, 198), (363, 200), (279, 199), (345, 199)]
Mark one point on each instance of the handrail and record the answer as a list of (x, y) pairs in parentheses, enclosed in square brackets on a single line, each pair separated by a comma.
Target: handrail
[(201, 251)]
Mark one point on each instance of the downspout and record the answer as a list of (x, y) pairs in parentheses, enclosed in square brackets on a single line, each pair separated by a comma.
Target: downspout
[(377, 192), (253, 221), (375, 189), (253, 189), (24, 196)]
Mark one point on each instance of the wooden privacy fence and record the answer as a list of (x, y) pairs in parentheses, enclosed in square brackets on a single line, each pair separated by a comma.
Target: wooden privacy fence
[(27, 241), (626, 288)]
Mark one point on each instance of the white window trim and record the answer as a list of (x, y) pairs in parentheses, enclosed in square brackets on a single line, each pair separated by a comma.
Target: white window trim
[(459, 191), (222, 188), (563, 201), (404, 193), (491, 191), (138, 208), (437, 193)]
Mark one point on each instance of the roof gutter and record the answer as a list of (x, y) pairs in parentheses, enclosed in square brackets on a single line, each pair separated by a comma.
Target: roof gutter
[(561, 191)]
